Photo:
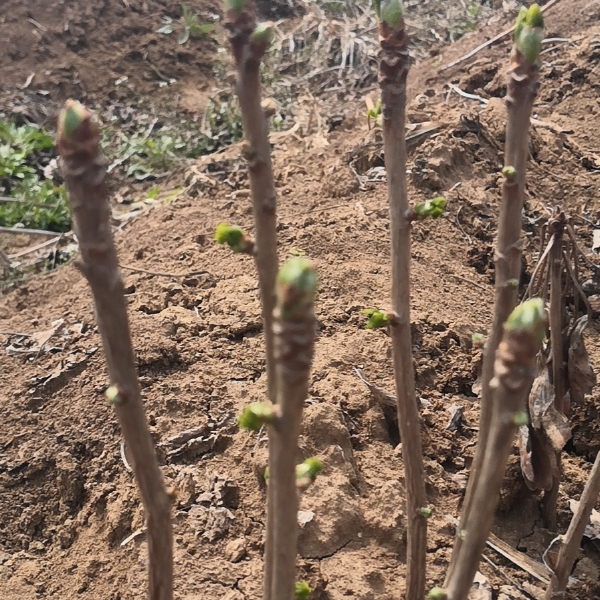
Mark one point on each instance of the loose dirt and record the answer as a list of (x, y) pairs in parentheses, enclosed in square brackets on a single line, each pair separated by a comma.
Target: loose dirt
[(69, 509)]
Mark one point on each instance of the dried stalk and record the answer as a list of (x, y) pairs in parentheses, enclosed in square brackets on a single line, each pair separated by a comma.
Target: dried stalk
[(558, 368), (522, 88), (570, 543), (294, 329), (394, 62), (514, 371), (84, 168)]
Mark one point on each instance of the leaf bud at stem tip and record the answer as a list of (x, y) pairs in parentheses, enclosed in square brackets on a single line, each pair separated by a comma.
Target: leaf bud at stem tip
[(509, 172), (437, 593)]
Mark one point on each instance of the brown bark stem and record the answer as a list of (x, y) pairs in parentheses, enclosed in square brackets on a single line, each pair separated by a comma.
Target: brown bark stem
[(294, 349), (84, 169), (514, 372), (393, 72), (248, 53), (572, 539), (521, 92)]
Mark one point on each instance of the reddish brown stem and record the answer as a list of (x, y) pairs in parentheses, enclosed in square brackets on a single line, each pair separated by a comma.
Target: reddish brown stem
[(248, 52), (514, 371), (393, 71), (521, 91), (84, 169)]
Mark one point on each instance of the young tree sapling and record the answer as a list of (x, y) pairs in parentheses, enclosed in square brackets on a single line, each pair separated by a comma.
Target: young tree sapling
[(84, 169)]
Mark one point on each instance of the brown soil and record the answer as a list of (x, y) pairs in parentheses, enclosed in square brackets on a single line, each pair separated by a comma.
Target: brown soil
[(66, 499)]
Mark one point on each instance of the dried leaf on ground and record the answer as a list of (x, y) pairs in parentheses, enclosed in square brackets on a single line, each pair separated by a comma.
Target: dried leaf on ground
[(582, 378), (592, 529)]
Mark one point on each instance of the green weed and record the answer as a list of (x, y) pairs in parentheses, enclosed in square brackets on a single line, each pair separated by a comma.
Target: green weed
[(30, 199)]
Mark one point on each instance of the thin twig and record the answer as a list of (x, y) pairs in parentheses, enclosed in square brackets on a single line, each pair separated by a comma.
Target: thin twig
[(7, 200), (159, 274), (461, 227), (30, 231), (473, 283), (37, 247)]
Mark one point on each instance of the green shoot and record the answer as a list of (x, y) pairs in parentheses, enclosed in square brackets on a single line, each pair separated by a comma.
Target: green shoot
[(256, 415), (307, 472), (302, 590), (528, 317), (234, 237), (529, 32), (376, 318), (437, 593), (264, 33), (295, 287), (433, 208), (389, 12), (425, 512)]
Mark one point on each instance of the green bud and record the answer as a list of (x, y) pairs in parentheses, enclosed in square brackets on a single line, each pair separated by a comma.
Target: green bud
[(114, 395), (235, 5), (377, 318), (509, 172), (535, 18), (390, 12), (307, 472), (264, 32), (437, 593), (71, 117), (234, 237), (311, 467), (433, 208), (425, 512), (529, 33), (514, 283), (520, 418), (266, 474), (529, 317), (478, 339), (295, 287), (520, 22), (302, 590), (462, 535), (256, 415)]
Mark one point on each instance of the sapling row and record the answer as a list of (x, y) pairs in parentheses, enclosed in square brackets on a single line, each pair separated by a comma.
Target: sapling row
[(84, 169)]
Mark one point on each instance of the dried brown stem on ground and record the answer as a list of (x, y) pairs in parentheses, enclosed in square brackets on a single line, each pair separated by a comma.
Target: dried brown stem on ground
[(84, 169), (569, 545), (294, 348), (393, 70), (514, 371), (522, 88)]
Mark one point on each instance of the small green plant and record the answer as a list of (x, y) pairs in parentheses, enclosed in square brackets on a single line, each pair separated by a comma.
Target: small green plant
[(433, 208), (302, 590), (376, 319), (31, 200), (189, 26), (234, 237)]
